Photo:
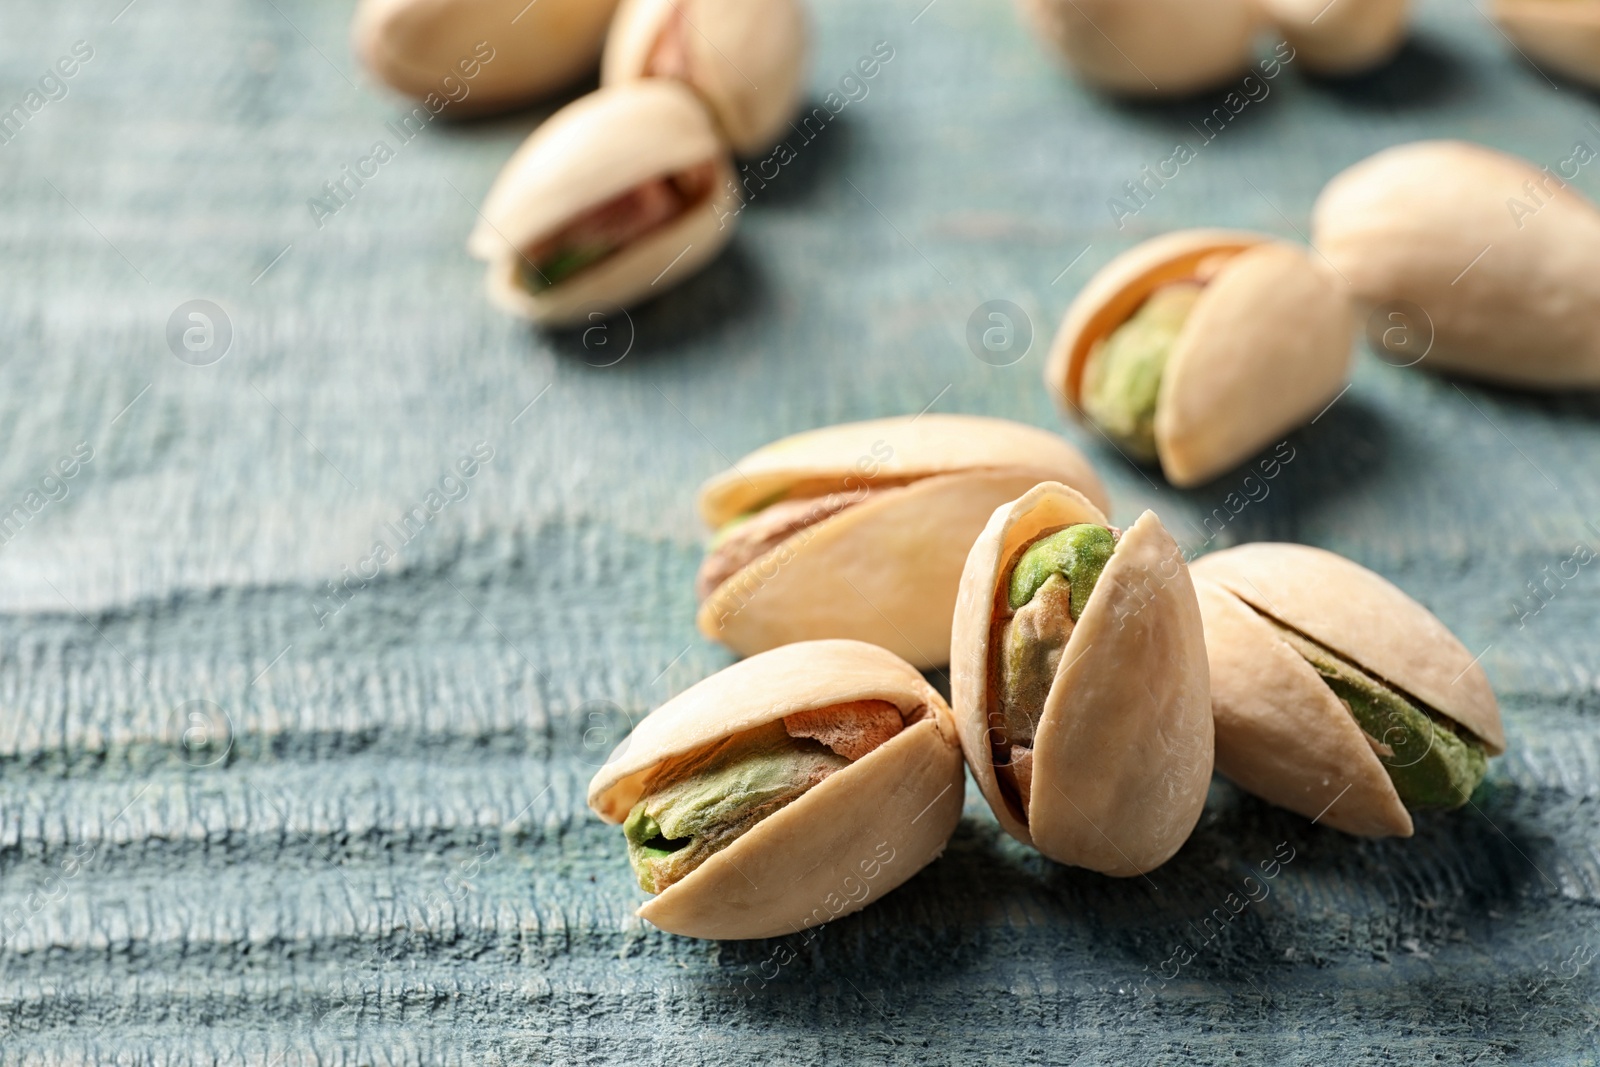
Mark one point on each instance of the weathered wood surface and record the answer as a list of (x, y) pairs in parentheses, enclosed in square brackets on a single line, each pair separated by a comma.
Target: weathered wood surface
[(392, 861)]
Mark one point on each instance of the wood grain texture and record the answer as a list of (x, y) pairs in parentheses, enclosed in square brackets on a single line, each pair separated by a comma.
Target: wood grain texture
[(384, 857)]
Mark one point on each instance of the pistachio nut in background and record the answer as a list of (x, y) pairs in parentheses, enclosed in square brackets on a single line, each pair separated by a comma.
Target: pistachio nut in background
[(1502, 257), (1078, 678), (1338, 38), (1336, 695), (784, 791), (1199, 347), (861, 530), (746, 59), (1563, 35), (619, 196), (418, 47), (1151, 48)]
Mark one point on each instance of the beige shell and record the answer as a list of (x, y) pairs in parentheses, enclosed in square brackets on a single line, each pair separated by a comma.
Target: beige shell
[(1266, 347), (1561, 34), (1122, 757), (1281, 732), (1512, 292), (592, 150), (808, 862), (532, 50), (1155, 48), (1340, 37), (746, 58), (886, 569)]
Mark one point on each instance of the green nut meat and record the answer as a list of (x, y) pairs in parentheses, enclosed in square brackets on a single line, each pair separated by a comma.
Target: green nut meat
[(1122, 378)]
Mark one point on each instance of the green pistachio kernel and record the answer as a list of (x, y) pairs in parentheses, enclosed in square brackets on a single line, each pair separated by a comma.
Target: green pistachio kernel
[(1122, 378), (1433, 763), (561, 265), (1079, 553)]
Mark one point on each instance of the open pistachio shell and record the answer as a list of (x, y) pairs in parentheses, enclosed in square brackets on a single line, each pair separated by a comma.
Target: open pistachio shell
[(1265, 348), (1282, 733), (1503, 259), (590, 152), (885, 569), (1153, 48), (502, 52), (1340, 37), (1122, 755), (747, 58), (822, 855), (1561, 34)]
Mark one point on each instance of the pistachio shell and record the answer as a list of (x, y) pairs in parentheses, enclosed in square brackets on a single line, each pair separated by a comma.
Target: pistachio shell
[(1513, 292), (886, 569), (1122, 758), (1266, 347), (1155, 48), (746, 58), (1561, 34), (532, 49), (803, 864), (588, 153), (1340, 37)]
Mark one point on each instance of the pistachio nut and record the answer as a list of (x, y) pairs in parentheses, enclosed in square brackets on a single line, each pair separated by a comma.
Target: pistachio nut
[(784, 791), (1199, 347), (617, 197), (1561, 34), (1078, 679), (861, 530), (1335, 694), (505, 52), (1502, 258), (1340, 37), (1151, 48), (746, 58)]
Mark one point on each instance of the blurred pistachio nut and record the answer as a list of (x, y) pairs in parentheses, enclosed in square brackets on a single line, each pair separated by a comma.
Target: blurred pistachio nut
[(1336, 695), (1563, 35), (784, 791), (1341, 37), (1502, 257), (618, 197), (1078, 678), (1151, 48), (1200, 347), (746, 59), (481, 55), (861, 530)]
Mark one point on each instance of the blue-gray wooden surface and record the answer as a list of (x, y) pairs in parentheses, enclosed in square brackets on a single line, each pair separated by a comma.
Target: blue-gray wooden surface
[(384, 855)]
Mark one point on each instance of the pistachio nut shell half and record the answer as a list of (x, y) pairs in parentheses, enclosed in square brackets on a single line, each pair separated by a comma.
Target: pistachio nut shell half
[(861, 530), (1149, 48), (746, 58), (1561, 34), (1504, 259), (1262, 348), (503, 52), (1299, 640), (1341, 37), (617, 197), (1120, 760), (881, 811)]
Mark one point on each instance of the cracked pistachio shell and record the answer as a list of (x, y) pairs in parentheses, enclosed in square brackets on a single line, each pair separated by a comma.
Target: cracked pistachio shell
[(1122, 755), (746, 58), (1561, 34), (532, 49), (1151, 48), (1342, 37), (591, 151), (884, 570), (795, 866), (1282, 734), (1504, 262), (1266, 347)]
